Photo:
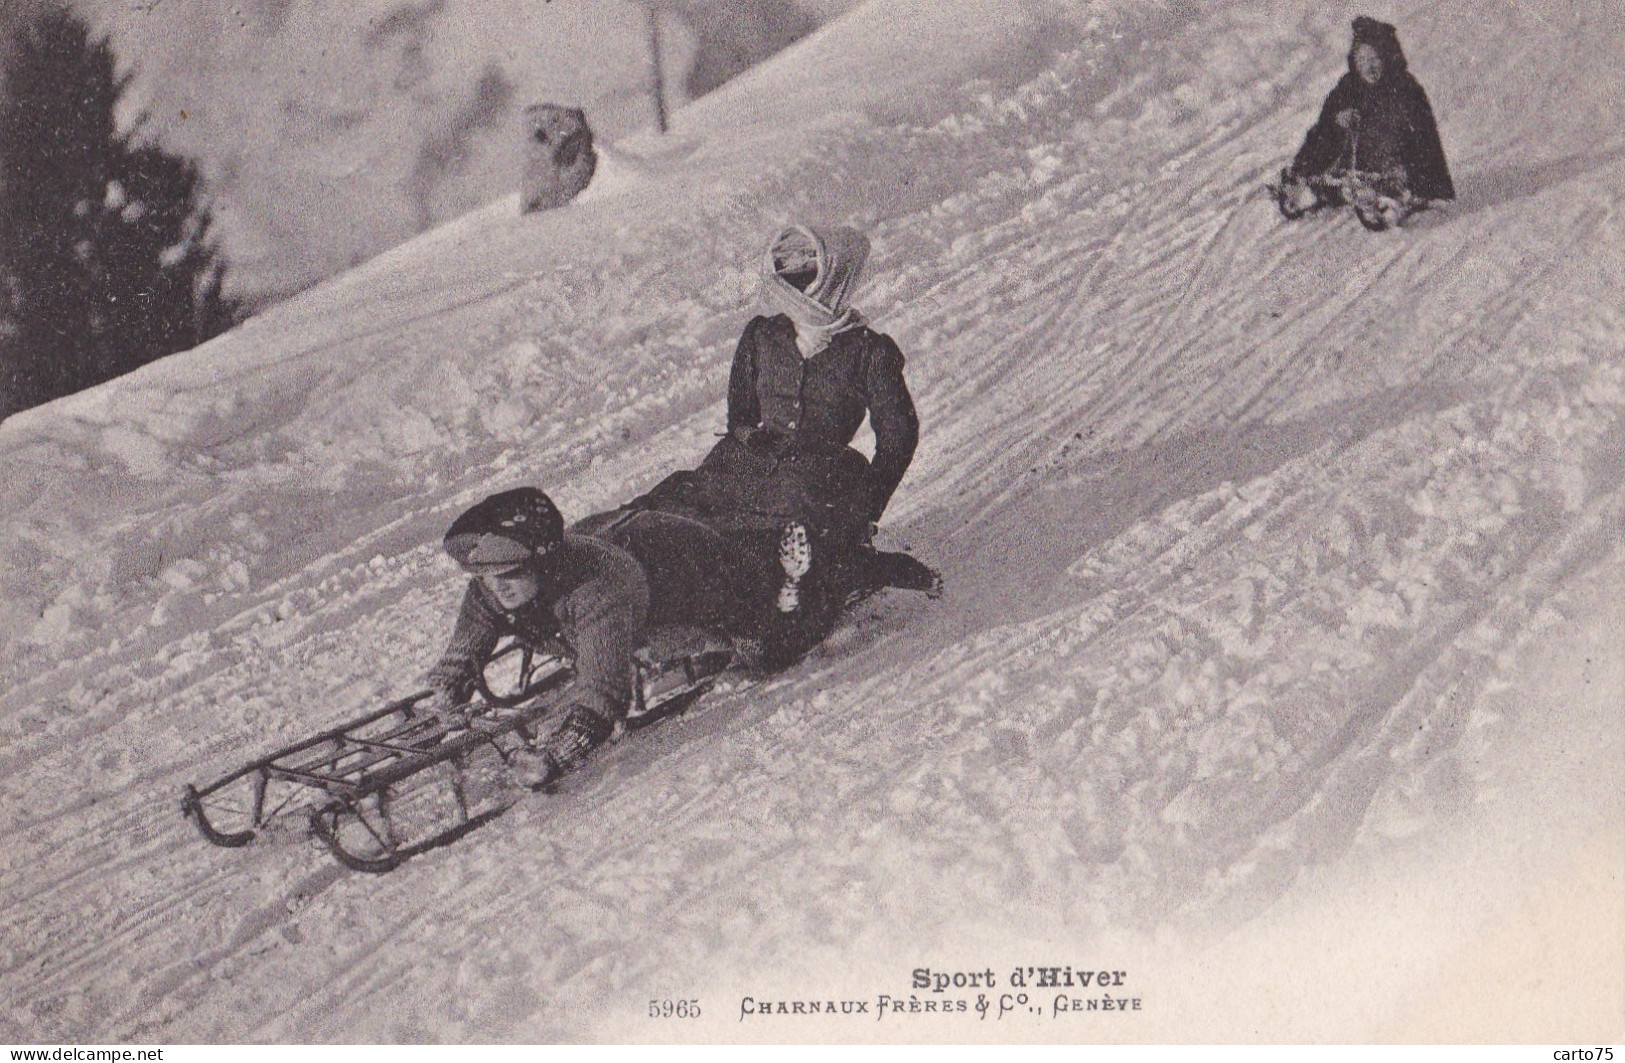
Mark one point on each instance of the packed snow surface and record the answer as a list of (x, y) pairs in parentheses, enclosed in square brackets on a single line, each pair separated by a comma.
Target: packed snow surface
[(1279, 662)]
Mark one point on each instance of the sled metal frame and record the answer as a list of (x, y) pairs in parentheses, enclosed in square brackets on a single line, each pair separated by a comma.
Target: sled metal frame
[(357, 765), (669, 689)]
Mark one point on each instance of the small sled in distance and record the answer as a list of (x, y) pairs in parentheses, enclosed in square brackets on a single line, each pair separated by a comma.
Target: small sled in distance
[(1378, 200)]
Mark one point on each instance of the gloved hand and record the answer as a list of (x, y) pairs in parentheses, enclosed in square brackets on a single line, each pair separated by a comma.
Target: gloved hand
[(544, 763), (1348, 118)]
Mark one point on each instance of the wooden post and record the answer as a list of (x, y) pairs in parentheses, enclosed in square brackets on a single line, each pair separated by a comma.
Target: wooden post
[(656, 70)]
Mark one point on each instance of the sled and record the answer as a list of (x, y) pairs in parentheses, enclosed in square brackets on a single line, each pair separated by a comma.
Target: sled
[(363, 786), (401, 780), (398, 781), (1378, 200)]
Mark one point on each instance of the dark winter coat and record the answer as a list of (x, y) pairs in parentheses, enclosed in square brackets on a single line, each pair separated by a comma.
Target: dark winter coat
[(786, 458), (780, 403), (1390, 124)]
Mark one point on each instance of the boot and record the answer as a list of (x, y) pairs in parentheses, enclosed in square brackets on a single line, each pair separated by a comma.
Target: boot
[(795, 557)]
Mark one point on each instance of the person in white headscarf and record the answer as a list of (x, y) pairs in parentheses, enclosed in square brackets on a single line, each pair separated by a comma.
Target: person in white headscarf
[(809, 277), (797, 503), (809, 369)]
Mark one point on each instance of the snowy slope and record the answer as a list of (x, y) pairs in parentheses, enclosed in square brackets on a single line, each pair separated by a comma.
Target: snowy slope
[(375, 119), (1280, 644)]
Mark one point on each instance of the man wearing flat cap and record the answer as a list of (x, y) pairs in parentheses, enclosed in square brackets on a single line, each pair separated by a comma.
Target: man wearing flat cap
[(599, 595)]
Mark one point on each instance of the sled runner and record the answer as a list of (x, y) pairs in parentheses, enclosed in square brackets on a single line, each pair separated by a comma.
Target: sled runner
[(401, 780)]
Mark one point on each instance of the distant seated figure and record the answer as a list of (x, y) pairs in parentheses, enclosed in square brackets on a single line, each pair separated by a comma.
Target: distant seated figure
[(1376, 144), (559, 157)]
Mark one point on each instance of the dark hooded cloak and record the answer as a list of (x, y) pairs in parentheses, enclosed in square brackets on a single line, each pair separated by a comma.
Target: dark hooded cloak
[(1391, 126)]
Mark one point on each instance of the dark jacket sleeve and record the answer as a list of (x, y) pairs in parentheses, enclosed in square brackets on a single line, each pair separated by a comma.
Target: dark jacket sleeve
[(1327, 142), (474, 636), (744, 407), (603, 623), (1426, 170), (894, 420)]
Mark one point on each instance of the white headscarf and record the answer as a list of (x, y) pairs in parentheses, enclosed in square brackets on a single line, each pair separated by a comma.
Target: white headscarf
[(820, 311)]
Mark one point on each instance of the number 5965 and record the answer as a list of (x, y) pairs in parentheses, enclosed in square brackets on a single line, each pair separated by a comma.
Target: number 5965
[(674, 1009)]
